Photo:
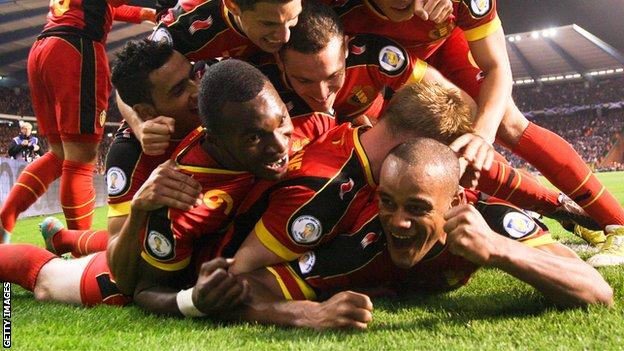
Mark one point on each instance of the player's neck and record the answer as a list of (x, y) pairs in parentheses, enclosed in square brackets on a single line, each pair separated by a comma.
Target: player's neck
[(377, 143)]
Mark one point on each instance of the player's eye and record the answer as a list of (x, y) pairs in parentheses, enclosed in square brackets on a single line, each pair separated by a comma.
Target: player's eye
[(386, 203)]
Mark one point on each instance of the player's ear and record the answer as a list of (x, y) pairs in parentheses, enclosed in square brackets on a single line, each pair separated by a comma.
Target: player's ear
[(232, 7), (346, 45), (145, 111), (459, 197)]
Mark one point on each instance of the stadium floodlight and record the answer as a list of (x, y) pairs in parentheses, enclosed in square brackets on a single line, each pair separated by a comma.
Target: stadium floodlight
[(552, 32), (593, 73), (609, 71), (618, 70), (577, 75), (511, 39), (529, 81), (535, 34), (1, 77), (602, 72), (518, 37), (559, 77)]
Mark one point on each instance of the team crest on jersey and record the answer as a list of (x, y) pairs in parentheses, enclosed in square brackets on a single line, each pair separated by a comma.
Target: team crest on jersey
[(358, 50), (361, 95), (306, 262), (216, 198), (115, 181), (200, 25), (368, 239), (162, 34), (442, 30), (306, 229), (102, 118), (518, 225), (391, 58), (159, 245), (345, 188), (479, 8)]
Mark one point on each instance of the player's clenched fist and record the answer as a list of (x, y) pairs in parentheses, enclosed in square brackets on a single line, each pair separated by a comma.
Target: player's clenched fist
[(155, 134), (433, 10), (217, 290), (344, 310), (166, 186), (469, 236)]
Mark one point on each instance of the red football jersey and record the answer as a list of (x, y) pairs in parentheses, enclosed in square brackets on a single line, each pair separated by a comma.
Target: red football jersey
[(204, 30), (326, 185), (477, 19), (171, 235), (90, 18)]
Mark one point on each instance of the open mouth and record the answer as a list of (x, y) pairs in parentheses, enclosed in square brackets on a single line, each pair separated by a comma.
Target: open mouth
[(278, 165)]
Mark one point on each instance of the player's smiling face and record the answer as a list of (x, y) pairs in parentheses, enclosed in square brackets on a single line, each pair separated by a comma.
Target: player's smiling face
[(316, 78), (268, 24), (174, 93), (257, 137), (396, 10), (411, 210)]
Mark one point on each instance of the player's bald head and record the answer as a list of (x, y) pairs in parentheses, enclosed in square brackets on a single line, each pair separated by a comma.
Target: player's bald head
[(228, 81), (425, 156), (429, 110), (318, 24)]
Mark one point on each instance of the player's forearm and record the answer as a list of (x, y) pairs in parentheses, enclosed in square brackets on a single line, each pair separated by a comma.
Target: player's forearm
[(124, 249), (566, 281), (493, 98), (159, 300)]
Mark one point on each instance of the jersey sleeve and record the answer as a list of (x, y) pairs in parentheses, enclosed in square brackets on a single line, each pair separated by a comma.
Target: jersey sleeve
[(123, 178), (308, 127), (512, 222), (388, 63), (166, 245), (292, 285), (478, 19), (125, 13), (288, 240)]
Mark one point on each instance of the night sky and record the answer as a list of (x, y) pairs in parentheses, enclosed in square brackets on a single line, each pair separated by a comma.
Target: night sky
[(603, 18)]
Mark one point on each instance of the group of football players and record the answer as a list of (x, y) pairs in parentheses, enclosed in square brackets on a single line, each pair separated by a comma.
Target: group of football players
[(289, 156)]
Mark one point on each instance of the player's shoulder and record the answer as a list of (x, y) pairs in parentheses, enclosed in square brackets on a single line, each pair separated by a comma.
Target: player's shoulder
[(507, 219), (377, 50), (185, 28), (122, 160), (476, 8)]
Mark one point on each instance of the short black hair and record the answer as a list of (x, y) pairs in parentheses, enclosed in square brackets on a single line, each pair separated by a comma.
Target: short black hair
[(245, 5), (318, 24), (227, 81), (131, 69)]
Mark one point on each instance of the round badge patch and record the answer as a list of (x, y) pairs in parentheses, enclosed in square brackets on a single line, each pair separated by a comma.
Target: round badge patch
[(159, 245), (518, 225), (115, 180), (306, 262), (480, 7), (162, 34), (391, 58), (306, 229)]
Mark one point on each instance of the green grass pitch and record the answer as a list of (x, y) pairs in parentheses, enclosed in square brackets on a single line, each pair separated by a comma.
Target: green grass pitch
[(494, 312)]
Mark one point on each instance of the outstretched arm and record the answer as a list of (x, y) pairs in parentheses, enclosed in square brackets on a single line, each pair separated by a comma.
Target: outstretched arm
[(164, 187), (564, 278)]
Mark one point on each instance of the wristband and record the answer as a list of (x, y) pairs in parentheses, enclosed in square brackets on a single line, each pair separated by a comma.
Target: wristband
[(184, 299)]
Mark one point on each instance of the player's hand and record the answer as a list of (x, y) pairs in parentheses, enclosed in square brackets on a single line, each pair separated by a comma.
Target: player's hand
[(476, 150), (166, 186), (469, 236), (155, 134), (217, 290), (24, 142), (469, 176), (345, 310), (36, 148), (148, 14), (437, 11)]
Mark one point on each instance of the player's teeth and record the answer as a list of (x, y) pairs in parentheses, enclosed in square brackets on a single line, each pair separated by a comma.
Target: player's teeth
[(399, 236)]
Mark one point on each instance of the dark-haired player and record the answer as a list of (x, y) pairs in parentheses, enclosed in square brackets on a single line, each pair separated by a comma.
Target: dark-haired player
[(69, 83), (205, 30)]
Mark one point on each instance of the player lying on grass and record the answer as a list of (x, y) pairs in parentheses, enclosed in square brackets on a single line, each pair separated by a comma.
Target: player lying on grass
[(251, 131), (469, 48), (427, 234)]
